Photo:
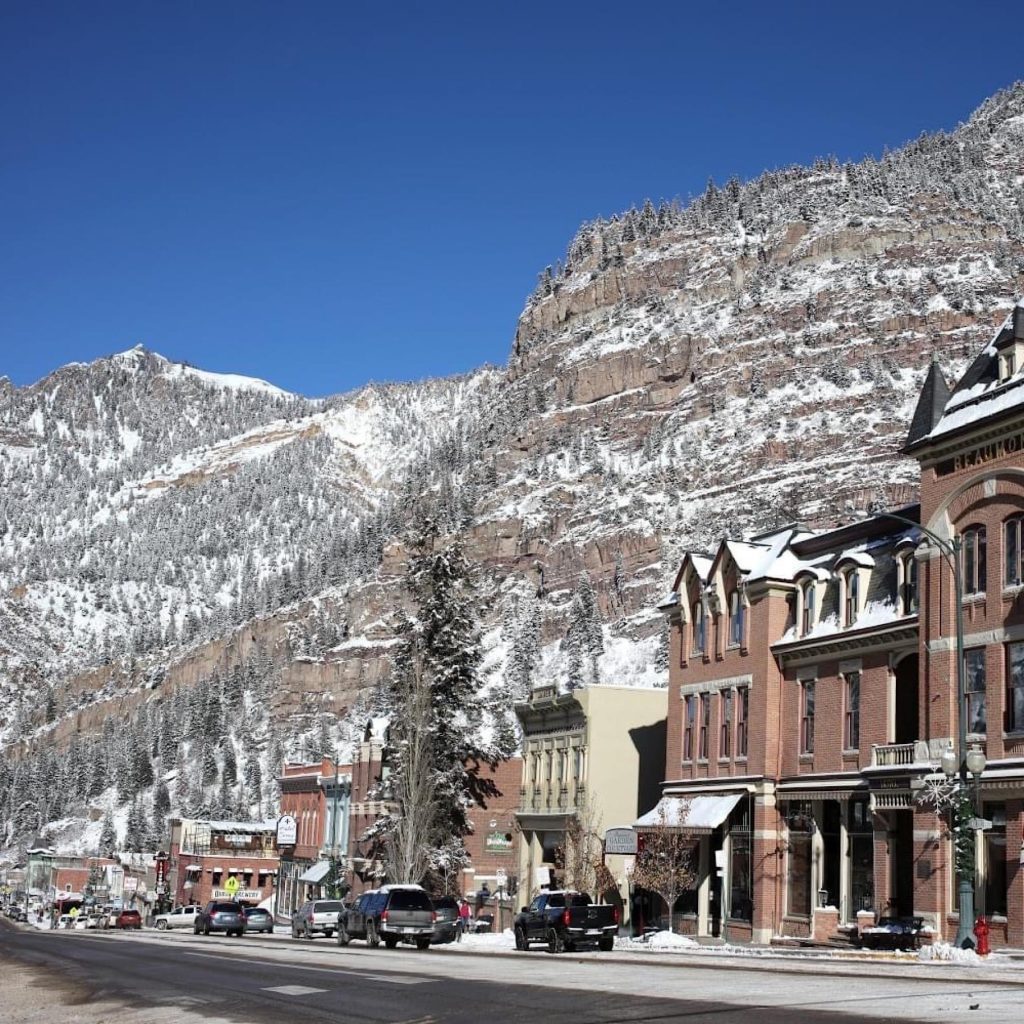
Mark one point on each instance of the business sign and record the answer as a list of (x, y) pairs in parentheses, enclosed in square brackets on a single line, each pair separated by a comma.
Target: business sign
[(287, 830), (237, 894), (498, 842), (620, 841), (131, 884)]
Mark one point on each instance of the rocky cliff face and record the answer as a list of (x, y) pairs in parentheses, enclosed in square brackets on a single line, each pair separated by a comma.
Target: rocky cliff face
[(749, 359)]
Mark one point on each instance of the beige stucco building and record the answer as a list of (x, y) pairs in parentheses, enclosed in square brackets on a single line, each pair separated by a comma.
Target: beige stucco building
[(596, 754)]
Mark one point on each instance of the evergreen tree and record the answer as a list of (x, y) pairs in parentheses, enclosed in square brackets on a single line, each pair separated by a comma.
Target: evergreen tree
[(435, 710), (108, 836)]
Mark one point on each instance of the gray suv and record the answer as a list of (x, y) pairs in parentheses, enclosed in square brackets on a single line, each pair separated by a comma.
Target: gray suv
[(316, 916), (220, 916), (395, 913)]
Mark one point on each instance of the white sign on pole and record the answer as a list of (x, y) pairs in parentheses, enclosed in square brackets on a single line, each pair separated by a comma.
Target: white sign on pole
[(501, 877), (287, 830), (621, 841)]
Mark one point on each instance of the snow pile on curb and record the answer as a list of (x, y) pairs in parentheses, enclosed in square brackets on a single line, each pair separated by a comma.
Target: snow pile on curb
[(661, 942), (943, 951)]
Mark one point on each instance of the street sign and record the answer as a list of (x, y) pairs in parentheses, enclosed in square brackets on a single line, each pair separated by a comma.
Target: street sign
[(979, 824), (231, 886), (501, 877)]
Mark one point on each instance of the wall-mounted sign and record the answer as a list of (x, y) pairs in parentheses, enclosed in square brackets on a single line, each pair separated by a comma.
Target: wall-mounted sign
[(621, 841), (237, 894), (287, 830), (498, 842)]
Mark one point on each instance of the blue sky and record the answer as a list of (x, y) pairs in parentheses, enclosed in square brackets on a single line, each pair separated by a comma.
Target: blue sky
[(326, 193)]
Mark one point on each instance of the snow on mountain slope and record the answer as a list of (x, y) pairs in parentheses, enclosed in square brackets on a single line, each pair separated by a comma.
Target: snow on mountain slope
[(751, 358)]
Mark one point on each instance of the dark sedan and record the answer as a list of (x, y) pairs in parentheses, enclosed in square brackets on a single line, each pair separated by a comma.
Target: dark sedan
[(220, 916), (258, 919), (447, 923)]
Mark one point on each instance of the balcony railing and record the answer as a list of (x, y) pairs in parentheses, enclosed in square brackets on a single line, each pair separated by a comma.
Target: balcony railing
[(898, 755)]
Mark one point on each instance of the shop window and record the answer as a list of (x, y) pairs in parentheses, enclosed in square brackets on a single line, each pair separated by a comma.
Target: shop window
[(974, 674), (973, 556), (851, 718), (689, 715), (994, 865), (700, 628), (798, 864), (1014, 687), (742, 711), (807, 717), (741, 888), (705, 722), (736, 617), (862, 856), (725, 726), (809, 616), (1012, 575), (908, 583)]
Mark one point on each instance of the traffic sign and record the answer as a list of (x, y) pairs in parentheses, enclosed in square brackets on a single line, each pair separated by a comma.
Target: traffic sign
[(231, 885), (501, 877)]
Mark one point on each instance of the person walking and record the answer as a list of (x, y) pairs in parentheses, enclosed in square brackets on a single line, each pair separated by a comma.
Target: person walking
[(464, 918)]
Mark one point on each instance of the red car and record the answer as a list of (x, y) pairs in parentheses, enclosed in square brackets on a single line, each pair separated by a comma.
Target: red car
[(128, 919)]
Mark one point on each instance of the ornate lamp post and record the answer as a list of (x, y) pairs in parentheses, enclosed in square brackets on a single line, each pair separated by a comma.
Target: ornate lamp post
[(955, 763)]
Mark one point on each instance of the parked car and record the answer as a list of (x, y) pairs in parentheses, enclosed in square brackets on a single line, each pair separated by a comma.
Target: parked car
[(220, 916), (64, 921), (394, 913), (179, 917), (95, 919), (447, 923), (316, 916), (565, 920), (127, 918), (258, 919)]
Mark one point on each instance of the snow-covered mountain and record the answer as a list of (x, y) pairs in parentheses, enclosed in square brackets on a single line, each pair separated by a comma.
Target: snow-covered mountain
[(751, 358)]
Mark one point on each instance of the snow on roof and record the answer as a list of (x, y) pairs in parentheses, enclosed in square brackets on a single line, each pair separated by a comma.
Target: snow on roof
[(745, 554), (701, 565), (858, 557)]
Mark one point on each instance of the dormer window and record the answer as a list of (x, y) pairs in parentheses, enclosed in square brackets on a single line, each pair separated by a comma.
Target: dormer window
[(1007, 364), (735, 619), (907, 583), (809, 616), (851, 607), (700, 628)]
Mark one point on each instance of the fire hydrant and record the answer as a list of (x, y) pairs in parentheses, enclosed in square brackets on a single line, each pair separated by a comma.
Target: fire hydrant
[(981, 934)]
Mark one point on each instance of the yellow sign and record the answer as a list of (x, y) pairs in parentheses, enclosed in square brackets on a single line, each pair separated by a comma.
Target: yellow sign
[(231, 885)]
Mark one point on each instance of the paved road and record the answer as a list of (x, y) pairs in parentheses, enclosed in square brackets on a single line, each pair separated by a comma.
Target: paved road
[(262, 980)]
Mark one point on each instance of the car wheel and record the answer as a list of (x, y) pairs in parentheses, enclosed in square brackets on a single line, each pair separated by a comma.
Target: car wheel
[(606, 943), (328, 932), (206, 930), (555, 943), (295, 932), (521, 944), (423, 942), (372, 938), (161, 926), (343, 936), (390, 941)]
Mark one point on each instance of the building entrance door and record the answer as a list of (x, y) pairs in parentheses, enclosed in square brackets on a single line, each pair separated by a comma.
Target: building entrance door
[(902, 863), (831, 849)]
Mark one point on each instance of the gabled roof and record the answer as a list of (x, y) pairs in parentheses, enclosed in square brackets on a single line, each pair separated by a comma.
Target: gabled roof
[(930, 405), (979, 394), (701, 565)]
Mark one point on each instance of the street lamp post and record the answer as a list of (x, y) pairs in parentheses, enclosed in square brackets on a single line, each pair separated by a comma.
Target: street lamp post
[(951, 551)]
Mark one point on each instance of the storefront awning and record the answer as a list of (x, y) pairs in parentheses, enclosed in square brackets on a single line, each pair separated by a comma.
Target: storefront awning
[(317, 873), (697, 814)]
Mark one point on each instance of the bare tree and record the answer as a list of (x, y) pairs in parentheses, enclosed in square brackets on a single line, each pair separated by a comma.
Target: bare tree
[(581, 854), (665, 864)]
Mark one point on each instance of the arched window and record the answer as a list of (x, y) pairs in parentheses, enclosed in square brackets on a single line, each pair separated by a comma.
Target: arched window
[(852, 606), (809, 616), (973, 556), (700, 629), (1012, 547), (735, 619)]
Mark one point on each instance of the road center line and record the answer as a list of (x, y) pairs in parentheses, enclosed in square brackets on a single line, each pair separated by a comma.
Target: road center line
[(393, 979)]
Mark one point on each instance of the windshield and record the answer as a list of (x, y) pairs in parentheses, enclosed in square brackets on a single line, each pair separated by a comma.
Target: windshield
[(410, 901), (327, 907)]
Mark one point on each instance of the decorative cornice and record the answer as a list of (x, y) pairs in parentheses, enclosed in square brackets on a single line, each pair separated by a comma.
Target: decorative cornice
[(901, 634)]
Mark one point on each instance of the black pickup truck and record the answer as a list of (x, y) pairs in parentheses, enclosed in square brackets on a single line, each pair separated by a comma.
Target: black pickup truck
[(566, 921)]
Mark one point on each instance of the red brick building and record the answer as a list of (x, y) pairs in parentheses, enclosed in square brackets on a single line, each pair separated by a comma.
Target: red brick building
[(811, 697), (222, 859)]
